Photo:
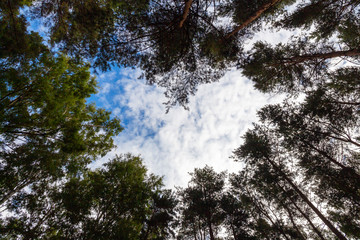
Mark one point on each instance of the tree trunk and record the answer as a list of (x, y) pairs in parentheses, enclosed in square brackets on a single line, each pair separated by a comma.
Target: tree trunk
[(261, 210), (301, 212), (210, 229), (185, 13), (304, 215), (323, 56), (293, 222), (280, 228), (252, 18), (346, 139), (254, 217), (308, 219), (199, 225), (307, 201), (233, 230), (195, 234), (323, 153)]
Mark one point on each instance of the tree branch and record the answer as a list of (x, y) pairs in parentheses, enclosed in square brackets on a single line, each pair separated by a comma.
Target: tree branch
[(323, 56), (252, 18), (185, 12)]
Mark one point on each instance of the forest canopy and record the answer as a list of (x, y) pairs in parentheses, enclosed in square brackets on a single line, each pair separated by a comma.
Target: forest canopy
[(301, 174)]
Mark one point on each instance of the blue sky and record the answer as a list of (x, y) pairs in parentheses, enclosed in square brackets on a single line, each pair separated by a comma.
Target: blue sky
[(174, 144)]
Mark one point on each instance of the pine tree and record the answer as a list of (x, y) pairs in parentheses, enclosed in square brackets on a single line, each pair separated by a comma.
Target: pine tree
[(202, 199), (179, 45), (47, 129), (259, 146), (114, 202)]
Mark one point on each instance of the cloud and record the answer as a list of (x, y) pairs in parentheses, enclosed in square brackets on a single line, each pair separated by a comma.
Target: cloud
[(174, 144)]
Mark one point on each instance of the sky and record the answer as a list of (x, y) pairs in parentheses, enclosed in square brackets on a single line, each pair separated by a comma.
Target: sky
[(173, 144)]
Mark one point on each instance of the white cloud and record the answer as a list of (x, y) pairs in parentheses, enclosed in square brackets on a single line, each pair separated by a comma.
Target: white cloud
[(174, 144)]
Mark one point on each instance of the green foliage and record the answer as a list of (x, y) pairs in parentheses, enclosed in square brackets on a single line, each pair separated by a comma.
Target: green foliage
[(148, 35), (219, 50), (118, 201), (290, 68), (242, 10), (316, 141), (89, 28), (46, 124), (202, 200), (49, 133), (299, 65), (47, 129), (16, 44), (325, 16)]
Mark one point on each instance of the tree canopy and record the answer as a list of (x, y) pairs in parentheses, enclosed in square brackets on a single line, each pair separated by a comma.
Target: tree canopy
[(118, 201), (177, 44), (301, 174)]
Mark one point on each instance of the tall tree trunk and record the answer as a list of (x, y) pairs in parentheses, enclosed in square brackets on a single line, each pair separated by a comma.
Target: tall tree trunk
[(293, 222), (253, 17), (291, 215), (345, 103), (346, 139), (279, 226), (323, 153), (308, 202), (185, 12), (331, 159), (261, 210), (233, 230), (302, 213), (210, 228), (199, 225), (323, 56), (317, 231), (273, 223), (254, 217)]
